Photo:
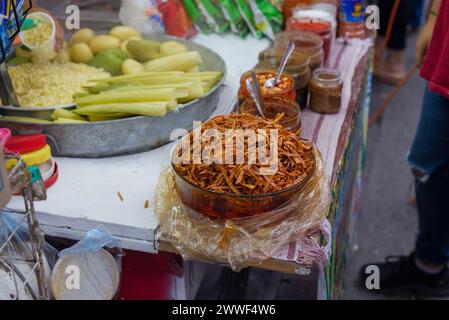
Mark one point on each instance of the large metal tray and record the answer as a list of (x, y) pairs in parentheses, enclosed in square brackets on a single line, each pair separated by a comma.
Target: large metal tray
[(126, 136)]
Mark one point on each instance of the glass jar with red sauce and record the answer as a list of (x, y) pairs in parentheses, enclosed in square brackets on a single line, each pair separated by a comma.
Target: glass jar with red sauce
[(273, 106), (319, 26), (308, 43), (285, 88), (297, 66)]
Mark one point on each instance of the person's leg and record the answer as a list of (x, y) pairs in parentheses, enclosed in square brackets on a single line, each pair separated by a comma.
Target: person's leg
[(416, 16), (432, 245), (430, 147), (429, 158), (426, 270), (393, 69)]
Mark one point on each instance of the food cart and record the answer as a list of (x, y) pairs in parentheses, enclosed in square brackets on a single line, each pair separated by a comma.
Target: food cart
[(117, 193)]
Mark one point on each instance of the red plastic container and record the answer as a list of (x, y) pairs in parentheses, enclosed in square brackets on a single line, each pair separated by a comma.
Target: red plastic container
[(50, 182), (26, 143), (319, 26)]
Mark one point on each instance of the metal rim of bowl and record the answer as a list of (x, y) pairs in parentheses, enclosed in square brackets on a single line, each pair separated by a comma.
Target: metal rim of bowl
[(64, 106), (215, 88), (250, 196)]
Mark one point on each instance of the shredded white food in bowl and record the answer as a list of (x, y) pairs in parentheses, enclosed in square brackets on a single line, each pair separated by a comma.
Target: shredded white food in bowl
[(51, 84)]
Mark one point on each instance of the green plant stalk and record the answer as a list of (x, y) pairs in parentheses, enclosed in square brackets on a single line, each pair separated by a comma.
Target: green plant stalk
[(70, 121), (164, 94), (143, 109)]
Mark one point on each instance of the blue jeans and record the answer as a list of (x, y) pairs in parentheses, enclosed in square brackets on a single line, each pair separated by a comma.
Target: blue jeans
[(429, 158), (417, 13)]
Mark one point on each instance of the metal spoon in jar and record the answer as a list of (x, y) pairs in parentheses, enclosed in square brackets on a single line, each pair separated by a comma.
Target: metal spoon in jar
[(254, 90), (269, 83)]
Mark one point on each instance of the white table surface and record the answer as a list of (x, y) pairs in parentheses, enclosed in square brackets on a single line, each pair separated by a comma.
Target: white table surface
[(85, 195)]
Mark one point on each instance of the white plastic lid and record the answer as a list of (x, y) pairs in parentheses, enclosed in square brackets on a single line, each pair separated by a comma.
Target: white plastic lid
[(315, 14)]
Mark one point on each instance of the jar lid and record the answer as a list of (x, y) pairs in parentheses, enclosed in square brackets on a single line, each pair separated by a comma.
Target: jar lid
[(316, 25), (274, 56), (327, 75), (316, 14), (302, 40), (26, 143), (32, 158)]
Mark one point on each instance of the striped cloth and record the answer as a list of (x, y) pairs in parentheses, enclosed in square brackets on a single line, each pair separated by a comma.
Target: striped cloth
[(330, 134)]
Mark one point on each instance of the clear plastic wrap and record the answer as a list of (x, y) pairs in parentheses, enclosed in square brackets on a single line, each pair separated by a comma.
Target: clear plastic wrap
[(17, 254), (87, 266), (142, 15), (241, 242)]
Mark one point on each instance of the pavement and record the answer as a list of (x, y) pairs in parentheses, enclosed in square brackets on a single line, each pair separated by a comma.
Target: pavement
[(388, 222)]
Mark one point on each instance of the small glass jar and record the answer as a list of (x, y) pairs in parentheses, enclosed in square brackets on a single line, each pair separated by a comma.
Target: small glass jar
[(285, 88), (308, 43), (326, 90), (297, 66), (316, 25), (273, 106)]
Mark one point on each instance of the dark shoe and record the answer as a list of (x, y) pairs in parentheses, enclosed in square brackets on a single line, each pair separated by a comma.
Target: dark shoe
[(399, 274)]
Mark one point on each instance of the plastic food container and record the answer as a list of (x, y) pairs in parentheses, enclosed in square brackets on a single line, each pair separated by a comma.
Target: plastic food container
[(286, 87), (44, 51), (47, 169), (32, 158), (26, 143), (307, 43), (319, 26), (297, 66), (220, 206), (326, 90), (52, 180), (274, 106)]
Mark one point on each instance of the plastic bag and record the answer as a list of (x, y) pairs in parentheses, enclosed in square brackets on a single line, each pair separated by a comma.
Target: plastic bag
[(142, 15), (17, 255), (236, 21), (266, 17), (8, 24), (213, 14), (93, 241), (197, 17), (277, 4), (248, 15), (175, 18), (97, 271), (239, 242)]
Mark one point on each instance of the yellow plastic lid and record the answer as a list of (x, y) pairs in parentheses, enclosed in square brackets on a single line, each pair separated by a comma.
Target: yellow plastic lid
[(32, 158)]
